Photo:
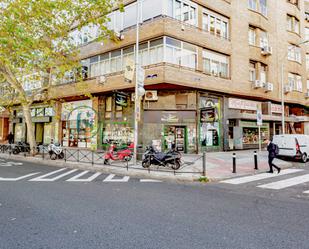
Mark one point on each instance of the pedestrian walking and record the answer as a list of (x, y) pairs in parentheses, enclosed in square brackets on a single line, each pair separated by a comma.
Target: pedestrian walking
[(272, 153), (11, 138)]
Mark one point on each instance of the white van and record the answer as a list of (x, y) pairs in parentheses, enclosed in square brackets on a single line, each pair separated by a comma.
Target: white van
[(293, 145)]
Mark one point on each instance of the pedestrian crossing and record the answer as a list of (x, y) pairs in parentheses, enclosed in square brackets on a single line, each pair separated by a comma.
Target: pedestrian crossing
[(74, 175), (288, 178)]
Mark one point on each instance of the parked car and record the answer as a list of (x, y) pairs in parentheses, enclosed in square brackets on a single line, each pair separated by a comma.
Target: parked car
[(293, 146)]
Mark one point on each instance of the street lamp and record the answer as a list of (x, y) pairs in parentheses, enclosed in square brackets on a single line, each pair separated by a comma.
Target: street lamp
[(282, 87)]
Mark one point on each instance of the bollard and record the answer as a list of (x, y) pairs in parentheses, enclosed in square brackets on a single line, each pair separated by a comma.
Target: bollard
[(65, 155), (234, 162), (43, 155), (255, 161), (92, 157), (204, 163)]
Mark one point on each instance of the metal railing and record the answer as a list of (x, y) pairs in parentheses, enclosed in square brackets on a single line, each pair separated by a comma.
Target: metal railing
[(177, 164)]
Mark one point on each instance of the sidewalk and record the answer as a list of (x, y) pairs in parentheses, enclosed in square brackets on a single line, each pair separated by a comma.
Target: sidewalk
[(218, 165)]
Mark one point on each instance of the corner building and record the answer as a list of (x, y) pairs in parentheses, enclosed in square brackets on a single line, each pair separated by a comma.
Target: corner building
[(210, 65)]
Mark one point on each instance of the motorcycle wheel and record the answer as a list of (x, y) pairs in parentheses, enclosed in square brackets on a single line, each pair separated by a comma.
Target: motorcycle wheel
[(146, 164), (53, 156), (176, 165), (15, 151), (106, 162), (61, 155), (127, 158)]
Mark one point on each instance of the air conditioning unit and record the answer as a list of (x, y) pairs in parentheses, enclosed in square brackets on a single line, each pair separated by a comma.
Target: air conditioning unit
[(269, 87), (288, 89), (151, 95), (307, 95), (267, 50), (258, 84)]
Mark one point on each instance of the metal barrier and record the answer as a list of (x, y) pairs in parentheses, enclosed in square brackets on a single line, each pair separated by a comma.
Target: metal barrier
[(192, 164)]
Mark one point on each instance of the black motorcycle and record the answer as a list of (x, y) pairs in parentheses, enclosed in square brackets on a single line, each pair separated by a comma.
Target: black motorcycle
[(20, 147), (152, 157)]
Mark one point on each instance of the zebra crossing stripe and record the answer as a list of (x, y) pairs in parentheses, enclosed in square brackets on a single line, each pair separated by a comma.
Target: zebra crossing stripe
[(258, 177), (111, 176), (149, 180), (286, 183), (89, 179), (17, 178), (44, 179), (306, 192)]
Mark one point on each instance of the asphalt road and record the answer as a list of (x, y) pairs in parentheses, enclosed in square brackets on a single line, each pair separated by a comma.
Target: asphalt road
[(134, 214)]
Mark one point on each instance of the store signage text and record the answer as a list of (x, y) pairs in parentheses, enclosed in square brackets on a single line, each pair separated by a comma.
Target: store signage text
[(242, 104), (276, 108)]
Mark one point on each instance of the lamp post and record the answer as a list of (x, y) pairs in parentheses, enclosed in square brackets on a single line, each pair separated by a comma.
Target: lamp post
[(282, 87), (137, 99)]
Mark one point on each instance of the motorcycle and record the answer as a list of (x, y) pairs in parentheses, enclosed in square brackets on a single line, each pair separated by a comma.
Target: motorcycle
[(125, 154), (20, 147), (55, 151), (152, 157)]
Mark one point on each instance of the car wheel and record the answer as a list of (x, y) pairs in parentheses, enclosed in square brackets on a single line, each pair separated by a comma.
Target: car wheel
[(304, 157)]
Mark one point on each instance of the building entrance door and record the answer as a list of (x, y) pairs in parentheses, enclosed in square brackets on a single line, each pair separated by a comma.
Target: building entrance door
[(176, 137), (39, 133)]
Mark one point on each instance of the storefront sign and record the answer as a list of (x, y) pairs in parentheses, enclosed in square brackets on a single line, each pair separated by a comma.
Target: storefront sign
[(252, 124), (242, 104), (276, 108), (83, 108), (41, 119), (169, 117)]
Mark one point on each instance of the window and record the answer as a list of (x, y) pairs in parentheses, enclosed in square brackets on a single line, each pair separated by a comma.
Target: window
[(263, 39), (215, 23), (295, 81), (185, 11), (180, 53), (252, 4), (292, 24), (263, 73), (307, 61), (252, 36), (216, 64), (294, 53), (258, 5), (252, 71), (307, 85)]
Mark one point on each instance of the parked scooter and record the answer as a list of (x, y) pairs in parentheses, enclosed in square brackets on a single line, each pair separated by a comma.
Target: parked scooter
[(152, 157), (125, 154), (20, 147), (55, 151)]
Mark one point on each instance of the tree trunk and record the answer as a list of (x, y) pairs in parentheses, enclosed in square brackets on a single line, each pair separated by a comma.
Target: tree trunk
[(30, 129)]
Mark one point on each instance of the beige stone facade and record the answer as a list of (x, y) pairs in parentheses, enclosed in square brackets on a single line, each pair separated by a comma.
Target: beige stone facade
[(211, 103)]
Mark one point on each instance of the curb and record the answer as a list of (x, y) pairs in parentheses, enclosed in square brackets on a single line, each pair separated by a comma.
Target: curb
[(107, 169)]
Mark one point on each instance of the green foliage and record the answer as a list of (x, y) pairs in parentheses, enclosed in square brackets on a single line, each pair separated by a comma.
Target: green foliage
[(203, 179), (35, 38)]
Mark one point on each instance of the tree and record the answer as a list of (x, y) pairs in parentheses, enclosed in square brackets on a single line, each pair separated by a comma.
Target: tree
[(37, 47)]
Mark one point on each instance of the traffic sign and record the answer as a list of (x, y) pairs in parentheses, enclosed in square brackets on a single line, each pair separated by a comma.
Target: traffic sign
[(259, 118)]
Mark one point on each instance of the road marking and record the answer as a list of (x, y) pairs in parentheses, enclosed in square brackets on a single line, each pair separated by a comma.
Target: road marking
[(44, 179), (89, 179), (258, 177), (18, 178), (306, 192), (9, 164), (111, 176), (149, 180), (286, 183)]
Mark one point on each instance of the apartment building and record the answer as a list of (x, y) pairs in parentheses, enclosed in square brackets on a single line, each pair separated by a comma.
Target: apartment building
[(209, 66)]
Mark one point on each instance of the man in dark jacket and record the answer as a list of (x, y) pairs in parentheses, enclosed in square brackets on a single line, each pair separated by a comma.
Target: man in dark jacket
[(11, 138), (271, 148)]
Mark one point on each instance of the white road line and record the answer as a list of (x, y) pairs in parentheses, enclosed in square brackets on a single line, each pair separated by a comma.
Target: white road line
[(111, 176), (149, 180), (286, 183), (18, 178), (89, 179), (44, 179), (258, 177), (306, 192)]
